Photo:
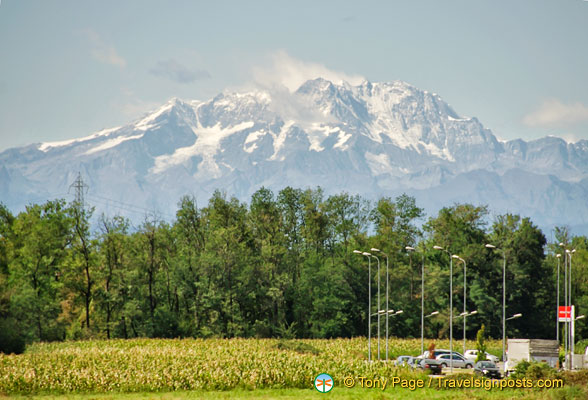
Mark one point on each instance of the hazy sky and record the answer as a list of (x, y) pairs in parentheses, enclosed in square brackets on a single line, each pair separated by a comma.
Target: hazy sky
[(69, 68)]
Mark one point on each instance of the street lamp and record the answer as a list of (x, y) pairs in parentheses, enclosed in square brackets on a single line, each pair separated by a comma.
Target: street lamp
[(491, 246), (519, 315), (385, 312), (565, 266), (464, 298), (568, 325), (390, 312), (376, 257), (426, 316), (515, 316), (387, 295), (450, 304), (465, 315), (557, 312), (571, 323), (368, 255), (468, 314), (411, 249)]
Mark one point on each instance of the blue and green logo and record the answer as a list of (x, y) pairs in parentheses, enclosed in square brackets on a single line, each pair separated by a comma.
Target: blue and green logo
[(324, 383)]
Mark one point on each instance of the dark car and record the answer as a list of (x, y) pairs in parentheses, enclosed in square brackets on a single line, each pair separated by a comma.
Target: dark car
[(433, 366), (487, 369)]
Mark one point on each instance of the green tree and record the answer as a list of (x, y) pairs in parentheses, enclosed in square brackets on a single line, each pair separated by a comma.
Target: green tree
[(523, 244), (460, 230), (81, 263), (227, 250), (41, 236), (267, 277), (112, 264), (11, 338), (396, 226), (189, 273)]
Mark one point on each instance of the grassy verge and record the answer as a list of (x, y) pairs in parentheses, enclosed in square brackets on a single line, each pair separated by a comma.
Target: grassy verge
[(337, 393)]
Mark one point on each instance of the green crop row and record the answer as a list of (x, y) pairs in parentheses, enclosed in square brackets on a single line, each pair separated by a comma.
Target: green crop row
[(188, 364)]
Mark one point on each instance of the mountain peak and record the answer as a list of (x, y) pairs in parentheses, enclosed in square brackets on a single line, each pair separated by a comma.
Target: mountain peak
[(373, 138)]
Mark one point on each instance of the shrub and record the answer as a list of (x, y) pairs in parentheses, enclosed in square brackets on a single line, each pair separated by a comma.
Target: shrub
[(539, 370), (11, 340), (481, 344), (520, 370)]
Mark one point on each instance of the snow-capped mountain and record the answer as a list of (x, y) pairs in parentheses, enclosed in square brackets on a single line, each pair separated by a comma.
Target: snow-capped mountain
[(375, 139)]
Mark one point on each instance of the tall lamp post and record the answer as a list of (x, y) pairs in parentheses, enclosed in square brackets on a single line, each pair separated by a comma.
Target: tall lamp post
[(566, 331), (569, 323), (387, 295), (572, 324), (464, 299), (366, 254), (557, 312), (411, 249), (379, 313), (491, 246), (450, 304)]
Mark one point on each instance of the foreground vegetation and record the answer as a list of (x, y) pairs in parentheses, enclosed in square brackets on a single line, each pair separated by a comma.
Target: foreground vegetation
[(238, 368), (338, 393), (190, 364)]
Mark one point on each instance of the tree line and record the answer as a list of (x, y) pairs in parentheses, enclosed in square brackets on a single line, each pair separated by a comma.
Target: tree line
[(281, 266)]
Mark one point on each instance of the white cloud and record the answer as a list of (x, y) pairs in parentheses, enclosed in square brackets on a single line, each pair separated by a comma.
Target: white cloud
[(290, 72), (556, 114), (103, 52)]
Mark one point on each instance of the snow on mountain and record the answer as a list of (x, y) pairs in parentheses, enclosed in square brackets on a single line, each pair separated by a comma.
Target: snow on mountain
[(375, 139)]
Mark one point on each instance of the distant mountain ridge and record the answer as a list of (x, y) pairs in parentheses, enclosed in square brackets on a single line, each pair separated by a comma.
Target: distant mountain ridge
[(374, 139)]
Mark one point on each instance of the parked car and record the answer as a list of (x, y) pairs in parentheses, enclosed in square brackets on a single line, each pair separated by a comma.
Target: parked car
[(401, 360), (439, 352), (488, 369), (428, 364), (457, 360), (413, 362), (473, 354)]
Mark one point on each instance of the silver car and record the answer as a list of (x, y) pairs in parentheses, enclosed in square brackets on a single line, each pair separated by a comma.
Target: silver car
[(458, 361), (401, 360)]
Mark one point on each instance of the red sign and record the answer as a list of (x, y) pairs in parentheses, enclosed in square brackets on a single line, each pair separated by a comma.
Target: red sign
[(564, 312)]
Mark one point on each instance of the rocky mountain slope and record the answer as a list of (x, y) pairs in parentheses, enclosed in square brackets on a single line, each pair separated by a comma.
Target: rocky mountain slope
[(375, 139)]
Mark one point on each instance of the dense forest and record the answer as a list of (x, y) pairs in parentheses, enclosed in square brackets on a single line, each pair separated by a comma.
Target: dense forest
[(281, 266)]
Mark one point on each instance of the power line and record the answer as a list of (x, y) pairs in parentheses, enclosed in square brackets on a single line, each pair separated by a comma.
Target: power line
[(126, 206), (122, 202)]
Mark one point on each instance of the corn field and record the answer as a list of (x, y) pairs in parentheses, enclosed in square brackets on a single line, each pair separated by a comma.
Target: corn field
[(187, 364)]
